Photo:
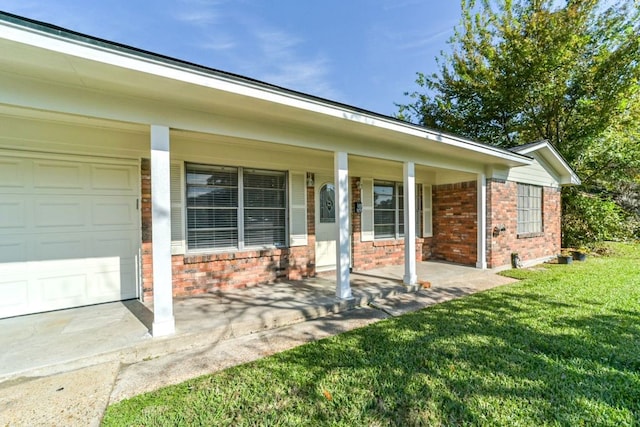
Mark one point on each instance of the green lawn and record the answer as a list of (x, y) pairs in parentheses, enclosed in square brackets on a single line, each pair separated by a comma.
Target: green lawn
[(561, 347)]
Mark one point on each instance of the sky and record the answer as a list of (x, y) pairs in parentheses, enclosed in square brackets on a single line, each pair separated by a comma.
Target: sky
[(363, 53)]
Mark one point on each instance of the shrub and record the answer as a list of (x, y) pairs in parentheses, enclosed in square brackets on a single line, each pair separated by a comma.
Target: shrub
[(588, 219)]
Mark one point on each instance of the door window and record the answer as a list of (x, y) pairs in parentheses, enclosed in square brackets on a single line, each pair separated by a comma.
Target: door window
[(328, 204)]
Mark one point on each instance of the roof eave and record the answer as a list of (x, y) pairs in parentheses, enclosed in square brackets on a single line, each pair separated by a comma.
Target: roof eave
[(569, 176), (68, 42)]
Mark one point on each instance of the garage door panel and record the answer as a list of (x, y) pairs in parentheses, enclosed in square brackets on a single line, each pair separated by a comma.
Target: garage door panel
[(13, 212), (57, 289), (69, 233), (114, 178), (13, 174), (110, 211), (109, 244), (58, 246), (14, 294), (105, 283), (59, 175), (12, 249), (60, 212)]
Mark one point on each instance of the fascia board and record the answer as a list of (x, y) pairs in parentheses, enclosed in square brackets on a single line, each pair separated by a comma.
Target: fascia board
[(165, 69), (553, 157)]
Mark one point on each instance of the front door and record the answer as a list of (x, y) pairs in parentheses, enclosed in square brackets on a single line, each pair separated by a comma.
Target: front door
[(326, 224)]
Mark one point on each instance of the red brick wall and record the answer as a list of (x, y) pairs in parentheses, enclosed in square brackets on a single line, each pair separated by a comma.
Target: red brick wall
[(455, 222), (379, 253), (197, 274), (454, 239), (501, 210)]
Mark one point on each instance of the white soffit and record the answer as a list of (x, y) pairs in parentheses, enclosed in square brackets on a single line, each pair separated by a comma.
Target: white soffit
[(168, 70)]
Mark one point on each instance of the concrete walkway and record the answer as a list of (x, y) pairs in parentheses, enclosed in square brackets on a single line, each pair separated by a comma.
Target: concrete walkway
[(64, 368)]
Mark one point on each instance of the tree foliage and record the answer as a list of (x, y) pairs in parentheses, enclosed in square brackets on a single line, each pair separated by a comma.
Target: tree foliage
[(567, 72)]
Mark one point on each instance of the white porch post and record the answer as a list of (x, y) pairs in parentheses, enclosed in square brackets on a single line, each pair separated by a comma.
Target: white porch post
[(341, 169), (409, 193), (163, 320), (482, 222)]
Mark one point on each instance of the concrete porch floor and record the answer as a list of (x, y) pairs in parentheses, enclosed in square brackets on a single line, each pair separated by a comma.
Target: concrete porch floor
[(48, 343)]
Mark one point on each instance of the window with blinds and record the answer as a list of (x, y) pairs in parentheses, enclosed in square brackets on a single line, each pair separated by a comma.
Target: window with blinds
[(529, 209), (265, 205), (385, 210), (388, 210), (234, 208)]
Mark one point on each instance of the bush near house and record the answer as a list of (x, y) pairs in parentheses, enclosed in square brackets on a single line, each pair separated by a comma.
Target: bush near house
[(561, 347)]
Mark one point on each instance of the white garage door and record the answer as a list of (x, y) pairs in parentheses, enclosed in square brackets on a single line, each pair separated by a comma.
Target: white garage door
[(68, 232)]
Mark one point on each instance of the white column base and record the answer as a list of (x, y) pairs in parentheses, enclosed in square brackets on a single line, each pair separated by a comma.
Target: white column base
[(410, 280), (163, 328)]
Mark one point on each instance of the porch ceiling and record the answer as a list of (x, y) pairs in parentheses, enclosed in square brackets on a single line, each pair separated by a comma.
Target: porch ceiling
[(96, 69)]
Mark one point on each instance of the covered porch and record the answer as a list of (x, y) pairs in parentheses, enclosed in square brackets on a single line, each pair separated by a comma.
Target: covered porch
[(46, 343)]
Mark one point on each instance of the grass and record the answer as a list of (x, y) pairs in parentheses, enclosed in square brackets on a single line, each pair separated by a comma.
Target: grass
[(561, 347)]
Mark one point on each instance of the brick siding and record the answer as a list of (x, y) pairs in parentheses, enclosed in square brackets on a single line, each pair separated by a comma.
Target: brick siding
[(455, 222), (502, 210), (379, 253), (198, 274), (454, 209)]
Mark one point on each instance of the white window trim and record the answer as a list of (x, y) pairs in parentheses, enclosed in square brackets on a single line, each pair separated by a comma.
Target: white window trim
[(520, 223), (399, 209), (240, 216)]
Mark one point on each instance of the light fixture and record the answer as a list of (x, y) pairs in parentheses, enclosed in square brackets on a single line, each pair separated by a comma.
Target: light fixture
[(359, 184), (310, 180)]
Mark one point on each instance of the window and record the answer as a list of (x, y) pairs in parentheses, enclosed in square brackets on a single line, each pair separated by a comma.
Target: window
[(529, 209), (328, 203), (388, 210), (234, 208)]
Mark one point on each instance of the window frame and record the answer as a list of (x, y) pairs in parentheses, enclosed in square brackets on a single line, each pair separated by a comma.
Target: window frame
[(398, 209), (530, 210), (240, 208)]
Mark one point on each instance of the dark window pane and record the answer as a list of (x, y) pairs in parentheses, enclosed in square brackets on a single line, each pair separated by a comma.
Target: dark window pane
[(212, 197), (327, 204), (264, 179), (383, 196), (212, 239), (265, 205), (264, 227), (212, 218), (384, 231), (210, 175), (264, 198), (384, 217)]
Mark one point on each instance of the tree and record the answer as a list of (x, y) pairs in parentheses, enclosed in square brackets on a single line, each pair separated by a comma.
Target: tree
[(524, 70)]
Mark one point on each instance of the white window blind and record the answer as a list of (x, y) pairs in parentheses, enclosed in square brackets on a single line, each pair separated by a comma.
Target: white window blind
[(212, 207), (235, 208), (265, 203)]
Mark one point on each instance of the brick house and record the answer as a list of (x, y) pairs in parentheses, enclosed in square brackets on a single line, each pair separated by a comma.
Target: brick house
[(125, 174)]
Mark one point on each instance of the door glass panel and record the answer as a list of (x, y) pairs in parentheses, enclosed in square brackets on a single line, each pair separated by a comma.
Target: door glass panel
[(327, 204)]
